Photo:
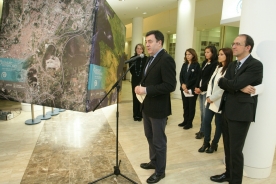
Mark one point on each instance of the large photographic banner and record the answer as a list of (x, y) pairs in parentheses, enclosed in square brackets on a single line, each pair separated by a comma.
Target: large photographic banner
[(107, 57), (50, 49)]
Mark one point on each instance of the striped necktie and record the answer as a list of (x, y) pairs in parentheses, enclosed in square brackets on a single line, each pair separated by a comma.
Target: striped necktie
[(150, 61), (237, 66)]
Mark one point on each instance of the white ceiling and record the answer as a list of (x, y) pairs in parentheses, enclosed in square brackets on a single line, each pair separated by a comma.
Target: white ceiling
[(128, 9), (207, 12)]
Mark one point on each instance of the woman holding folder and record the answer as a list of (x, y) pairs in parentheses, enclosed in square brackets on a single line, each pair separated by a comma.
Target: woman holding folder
[(188, 77), (213, 98)]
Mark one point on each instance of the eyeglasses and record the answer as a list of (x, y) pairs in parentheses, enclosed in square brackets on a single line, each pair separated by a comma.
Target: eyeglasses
[(237, 44)]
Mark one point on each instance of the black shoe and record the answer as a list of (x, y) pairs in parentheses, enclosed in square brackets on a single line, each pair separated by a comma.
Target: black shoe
[(182, 124), (204, 147), (197, 133), (220, 178), (200, 135), (212, 148), (154, 178), (186, 127), (147, 165), (136, 118)]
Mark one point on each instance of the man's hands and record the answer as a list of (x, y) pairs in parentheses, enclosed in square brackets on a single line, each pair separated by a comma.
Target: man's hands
[(140, 90), (248, 89)]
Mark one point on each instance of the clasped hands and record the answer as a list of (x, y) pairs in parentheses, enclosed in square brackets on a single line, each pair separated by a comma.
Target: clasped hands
[(184, 88), (197, 91)]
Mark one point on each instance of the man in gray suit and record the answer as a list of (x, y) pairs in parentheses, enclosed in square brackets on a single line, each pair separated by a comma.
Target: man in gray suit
[(238, 106), (158, 82)]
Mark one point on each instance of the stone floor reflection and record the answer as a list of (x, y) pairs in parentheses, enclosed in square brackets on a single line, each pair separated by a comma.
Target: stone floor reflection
[(75, 147)]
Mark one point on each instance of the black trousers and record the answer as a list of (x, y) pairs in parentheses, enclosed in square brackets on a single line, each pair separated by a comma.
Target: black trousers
[(189, 108), (157, 140), (234, 134), (136, 104)]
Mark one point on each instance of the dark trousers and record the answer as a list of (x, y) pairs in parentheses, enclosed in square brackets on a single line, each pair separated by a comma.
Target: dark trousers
[(189, 108), (209, 114), (157, 140), (234, 134), (136, 104)]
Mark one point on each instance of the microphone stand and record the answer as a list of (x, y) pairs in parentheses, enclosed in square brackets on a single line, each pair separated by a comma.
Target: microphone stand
[(116, 167)]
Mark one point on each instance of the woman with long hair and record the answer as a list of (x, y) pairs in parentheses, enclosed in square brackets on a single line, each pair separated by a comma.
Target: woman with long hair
[(188, 77), (208, 67), (214, 94), (136, 76)]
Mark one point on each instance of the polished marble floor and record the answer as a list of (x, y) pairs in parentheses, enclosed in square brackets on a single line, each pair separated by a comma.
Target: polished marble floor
[(75, 147)]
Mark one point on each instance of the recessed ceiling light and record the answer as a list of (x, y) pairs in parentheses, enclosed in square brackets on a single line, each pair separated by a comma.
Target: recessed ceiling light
[(137, 8), (145, 13)]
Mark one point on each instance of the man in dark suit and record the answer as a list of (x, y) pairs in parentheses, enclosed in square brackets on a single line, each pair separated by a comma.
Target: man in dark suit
[(158, 82), (238, 106)]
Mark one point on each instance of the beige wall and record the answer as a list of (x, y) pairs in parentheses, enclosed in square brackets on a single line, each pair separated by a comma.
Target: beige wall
[(230, 33)]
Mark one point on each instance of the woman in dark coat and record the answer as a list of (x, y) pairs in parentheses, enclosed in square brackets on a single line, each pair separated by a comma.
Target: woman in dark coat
[(188, 77), (208, 67), (136, 75)]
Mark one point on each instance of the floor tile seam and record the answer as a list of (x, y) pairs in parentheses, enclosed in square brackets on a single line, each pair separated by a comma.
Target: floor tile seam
[(122, 148), (34, 146)]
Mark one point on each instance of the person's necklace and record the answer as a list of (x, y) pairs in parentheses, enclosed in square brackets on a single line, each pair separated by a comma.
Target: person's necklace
[(140, 68)]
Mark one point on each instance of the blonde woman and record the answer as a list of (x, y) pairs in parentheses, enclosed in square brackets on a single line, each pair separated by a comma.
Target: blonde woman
[(136, 76)]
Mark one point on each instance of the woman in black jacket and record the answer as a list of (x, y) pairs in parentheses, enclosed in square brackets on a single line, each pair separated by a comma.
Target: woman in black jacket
[(188, 77), (136, 76), (208, 67)]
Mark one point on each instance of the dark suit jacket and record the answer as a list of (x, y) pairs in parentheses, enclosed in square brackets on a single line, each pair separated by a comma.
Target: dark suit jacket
[(205, 74), (241, 106), (160, 81), (189, 77)]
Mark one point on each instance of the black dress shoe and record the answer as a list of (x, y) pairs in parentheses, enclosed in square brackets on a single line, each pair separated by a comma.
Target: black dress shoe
[(182, 124), (147, 165), (137, 118), (220, 178), (186, 127), (154, 178)]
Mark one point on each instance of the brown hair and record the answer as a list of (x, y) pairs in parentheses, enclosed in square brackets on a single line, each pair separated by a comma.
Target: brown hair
[(141, 45), (229, 58), (193, 52)]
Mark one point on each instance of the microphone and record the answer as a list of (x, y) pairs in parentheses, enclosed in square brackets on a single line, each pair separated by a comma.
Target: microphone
[(134, 58)]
